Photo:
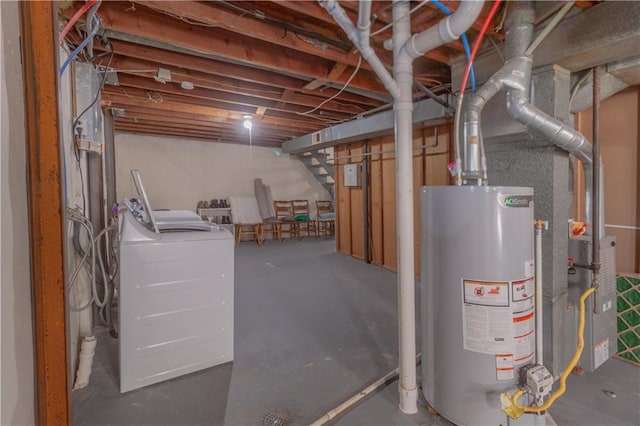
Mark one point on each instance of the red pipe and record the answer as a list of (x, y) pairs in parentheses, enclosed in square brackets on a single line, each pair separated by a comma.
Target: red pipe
[(74, 19)]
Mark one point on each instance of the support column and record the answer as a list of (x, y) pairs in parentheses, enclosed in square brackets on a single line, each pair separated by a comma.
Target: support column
[(45, 191)]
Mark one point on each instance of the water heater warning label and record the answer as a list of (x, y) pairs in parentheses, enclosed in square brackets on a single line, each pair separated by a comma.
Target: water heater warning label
[(487, 317), (486, 293)]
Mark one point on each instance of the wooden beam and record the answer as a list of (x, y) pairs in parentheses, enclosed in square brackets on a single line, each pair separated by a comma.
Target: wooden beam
[(202, 120), (147, 28), (335, 72), (171, 104), (190, 128), (339, 110), (261, 30), (39, 47), (307, 8), (236, 76), (189, 135), (260, 112)]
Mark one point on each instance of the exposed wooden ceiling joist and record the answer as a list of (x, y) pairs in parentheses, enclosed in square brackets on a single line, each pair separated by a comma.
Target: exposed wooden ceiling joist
[(278, 61)]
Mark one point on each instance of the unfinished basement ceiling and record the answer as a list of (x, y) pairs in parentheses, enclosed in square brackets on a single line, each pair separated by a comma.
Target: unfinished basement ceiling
[(276, 61), (194, 69)]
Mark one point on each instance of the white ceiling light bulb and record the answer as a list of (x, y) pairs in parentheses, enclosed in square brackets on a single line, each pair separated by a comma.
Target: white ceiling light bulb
[(247, 123)]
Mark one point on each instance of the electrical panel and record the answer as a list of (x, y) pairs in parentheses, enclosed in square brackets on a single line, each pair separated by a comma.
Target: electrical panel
[(88, 130), (352, 173)]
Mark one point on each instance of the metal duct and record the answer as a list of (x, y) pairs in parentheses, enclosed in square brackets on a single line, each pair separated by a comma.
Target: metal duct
[(515, 78)]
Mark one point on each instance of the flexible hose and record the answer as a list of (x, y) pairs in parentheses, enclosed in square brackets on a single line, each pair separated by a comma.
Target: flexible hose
[(567, 371)]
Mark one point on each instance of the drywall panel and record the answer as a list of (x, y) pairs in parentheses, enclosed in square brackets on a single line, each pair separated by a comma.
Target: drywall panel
[(17, 394), (619, 137), (178, 173)]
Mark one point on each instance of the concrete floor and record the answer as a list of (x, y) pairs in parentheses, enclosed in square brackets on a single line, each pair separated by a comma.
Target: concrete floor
[(312, 328)]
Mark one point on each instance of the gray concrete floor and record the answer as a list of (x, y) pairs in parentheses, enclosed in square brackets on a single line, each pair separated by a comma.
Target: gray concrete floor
[(312, 328)]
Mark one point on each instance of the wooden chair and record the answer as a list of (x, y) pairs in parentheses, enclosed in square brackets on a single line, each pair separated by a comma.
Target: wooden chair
[(325, 219), (249, 229), (246, 219), (271, 226), (285, 219), (303, 220)]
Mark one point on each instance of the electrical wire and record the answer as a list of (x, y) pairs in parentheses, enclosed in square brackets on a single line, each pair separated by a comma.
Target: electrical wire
[(390, 24), (82, 45), (465, 42), (463, 84), (77, 120), (577, 86), (550, 26), (74, 19), (355, 71)]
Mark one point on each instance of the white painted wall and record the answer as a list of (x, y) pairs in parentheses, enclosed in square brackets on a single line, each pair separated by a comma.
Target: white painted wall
[(16, 367), (177, 173)]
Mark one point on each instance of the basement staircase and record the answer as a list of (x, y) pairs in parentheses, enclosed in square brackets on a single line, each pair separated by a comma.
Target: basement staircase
[(318, 163)]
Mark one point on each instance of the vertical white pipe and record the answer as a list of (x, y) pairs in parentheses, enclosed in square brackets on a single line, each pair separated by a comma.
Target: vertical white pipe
[(403, 107), (538, 284)]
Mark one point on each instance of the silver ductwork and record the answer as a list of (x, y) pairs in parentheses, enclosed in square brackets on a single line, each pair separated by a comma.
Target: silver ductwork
[(515, 78)]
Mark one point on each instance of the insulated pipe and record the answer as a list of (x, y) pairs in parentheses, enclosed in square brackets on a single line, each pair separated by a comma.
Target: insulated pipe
[(403, 107), (449, 29), (539, 224), (367, 52)]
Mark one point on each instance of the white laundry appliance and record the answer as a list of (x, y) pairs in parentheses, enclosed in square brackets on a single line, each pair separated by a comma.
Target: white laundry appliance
[(176, 293)]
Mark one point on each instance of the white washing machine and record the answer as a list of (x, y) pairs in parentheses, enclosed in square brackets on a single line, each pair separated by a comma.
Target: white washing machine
[(176, 294)]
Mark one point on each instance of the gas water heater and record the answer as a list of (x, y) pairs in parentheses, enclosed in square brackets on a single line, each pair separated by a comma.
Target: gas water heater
[(477, 299)]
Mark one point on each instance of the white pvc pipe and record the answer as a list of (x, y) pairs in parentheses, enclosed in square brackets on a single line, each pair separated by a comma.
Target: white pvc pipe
[(332, 414), (367, 52), (538, 289), (403, 107), (87, 352), (400, 87), (447, 30)]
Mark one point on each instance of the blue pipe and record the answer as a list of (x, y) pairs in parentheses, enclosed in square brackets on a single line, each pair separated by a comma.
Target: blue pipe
[(79, 48), (465, 43)]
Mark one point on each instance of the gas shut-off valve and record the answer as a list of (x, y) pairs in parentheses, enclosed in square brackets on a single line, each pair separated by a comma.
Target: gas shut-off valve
[(535, 381), (538, 382)]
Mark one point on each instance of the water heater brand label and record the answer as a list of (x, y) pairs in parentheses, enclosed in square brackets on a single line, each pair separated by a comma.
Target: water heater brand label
[(516, 200)]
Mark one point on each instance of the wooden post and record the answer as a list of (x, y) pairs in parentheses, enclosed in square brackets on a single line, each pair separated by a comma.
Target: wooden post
[(39, 47)]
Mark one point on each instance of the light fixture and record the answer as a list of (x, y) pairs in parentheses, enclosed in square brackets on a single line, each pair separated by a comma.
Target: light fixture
[(247, 123), (186, 85)]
